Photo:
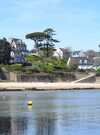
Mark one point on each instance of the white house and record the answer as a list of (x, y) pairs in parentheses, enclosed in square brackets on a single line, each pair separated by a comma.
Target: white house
[(82, 60), (58, 53)]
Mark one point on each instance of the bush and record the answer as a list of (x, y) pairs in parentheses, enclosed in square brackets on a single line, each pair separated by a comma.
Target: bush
[(27, 64), (71, 68), (14, 67), (32, 58), (46, 67), (98, 72)]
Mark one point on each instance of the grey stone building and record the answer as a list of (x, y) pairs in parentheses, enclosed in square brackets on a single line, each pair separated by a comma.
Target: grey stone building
[(18, 50)]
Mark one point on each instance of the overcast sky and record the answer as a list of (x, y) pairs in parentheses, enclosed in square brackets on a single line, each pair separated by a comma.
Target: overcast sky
[(76, 22)]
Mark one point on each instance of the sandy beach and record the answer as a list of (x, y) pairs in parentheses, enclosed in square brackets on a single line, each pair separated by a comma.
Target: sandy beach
[(13, 86)]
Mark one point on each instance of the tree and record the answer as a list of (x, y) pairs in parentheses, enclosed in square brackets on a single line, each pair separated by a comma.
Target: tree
[(5, 50), (44, 41), (99, 45), (90, 53), (66, 52), (49, 46), (38, 38)]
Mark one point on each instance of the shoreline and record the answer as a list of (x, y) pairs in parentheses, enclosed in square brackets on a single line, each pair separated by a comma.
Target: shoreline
[(45, 86)]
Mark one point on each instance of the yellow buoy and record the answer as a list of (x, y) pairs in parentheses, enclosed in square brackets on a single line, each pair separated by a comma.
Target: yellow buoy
[(29, 102), (30, 107)]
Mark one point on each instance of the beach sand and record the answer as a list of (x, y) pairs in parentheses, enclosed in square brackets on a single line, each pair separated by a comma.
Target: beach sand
[(13, 86)]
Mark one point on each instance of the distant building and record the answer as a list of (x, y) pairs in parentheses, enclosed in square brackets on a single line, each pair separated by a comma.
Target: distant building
[(34, 52), (77, 54), (96, 62), (18, 50), (80, 58), (66, 53), (58, 53)]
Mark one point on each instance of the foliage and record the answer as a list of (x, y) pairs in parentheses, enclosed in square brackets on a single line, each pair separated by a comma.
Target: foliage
[(90, 54), (50, 42), (4, 51), (66, 52), (98, 71), (38, 64), (38, 38), (31, 70), (14, 67), (72, 67), (32, 58), (46, 67), (44, 42)]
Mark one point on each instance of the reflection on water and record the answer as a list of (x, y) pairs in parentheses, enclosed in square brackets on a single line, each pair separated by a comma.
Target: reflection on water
[(52, 113)]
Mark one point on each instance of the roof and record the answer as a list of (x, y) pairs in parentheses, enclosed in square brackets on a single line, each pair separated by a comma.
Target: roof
[(78, 54), (16, 41)]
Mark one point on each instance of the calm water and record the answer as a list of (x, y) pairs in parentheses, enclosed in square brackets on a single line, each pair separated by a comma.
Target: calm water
[(52, 113)]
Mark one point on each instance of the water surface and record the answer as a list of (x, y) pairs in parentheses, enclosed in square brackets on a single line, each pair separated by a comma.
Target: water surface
[(52, 113)]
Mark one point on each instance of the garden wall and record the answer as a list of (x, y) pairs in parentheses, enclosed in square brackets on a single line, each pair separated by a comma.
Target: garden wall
[(46, 77)]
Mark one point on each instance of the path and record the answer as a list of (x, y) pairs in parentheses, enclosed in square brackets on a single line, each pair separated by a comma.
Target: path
[(91, 75)]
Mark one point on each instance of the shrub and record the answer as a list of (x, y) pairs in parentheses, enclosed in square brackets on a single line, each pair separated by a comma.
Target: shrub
[(14, 67), (46, 67), (71, 68), (98, 72), (32, 58)]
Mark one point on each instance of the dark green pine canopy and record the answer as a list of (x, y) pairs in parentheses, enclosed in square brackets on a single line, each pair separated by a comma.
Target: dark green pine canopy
[(5, 50), (37, 35), (44, 41)]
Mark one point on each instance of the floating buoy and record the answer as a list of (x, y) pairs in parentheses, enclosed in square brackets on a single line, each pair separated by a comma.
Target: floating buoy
[(29, 102), (30, 107)]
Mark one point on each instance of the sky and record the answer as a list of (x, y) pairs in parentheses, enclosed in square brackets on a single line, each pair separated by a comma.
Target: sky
[(76, 22)]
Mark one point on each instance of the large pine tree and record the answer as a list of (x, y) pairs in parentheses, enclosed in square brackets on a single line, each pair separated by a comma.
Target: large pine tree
[(44, 41)]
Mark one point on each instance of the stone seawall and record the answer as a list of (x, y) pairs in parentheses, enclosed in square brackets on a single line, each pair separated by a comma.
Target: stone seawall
[(45, 77)]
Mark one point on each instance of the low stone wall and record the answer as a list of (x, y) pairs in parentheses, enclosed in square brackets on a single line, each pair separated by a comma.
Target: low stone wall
[(4, 75), (13, 76), (88, 80), (45, 77)]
